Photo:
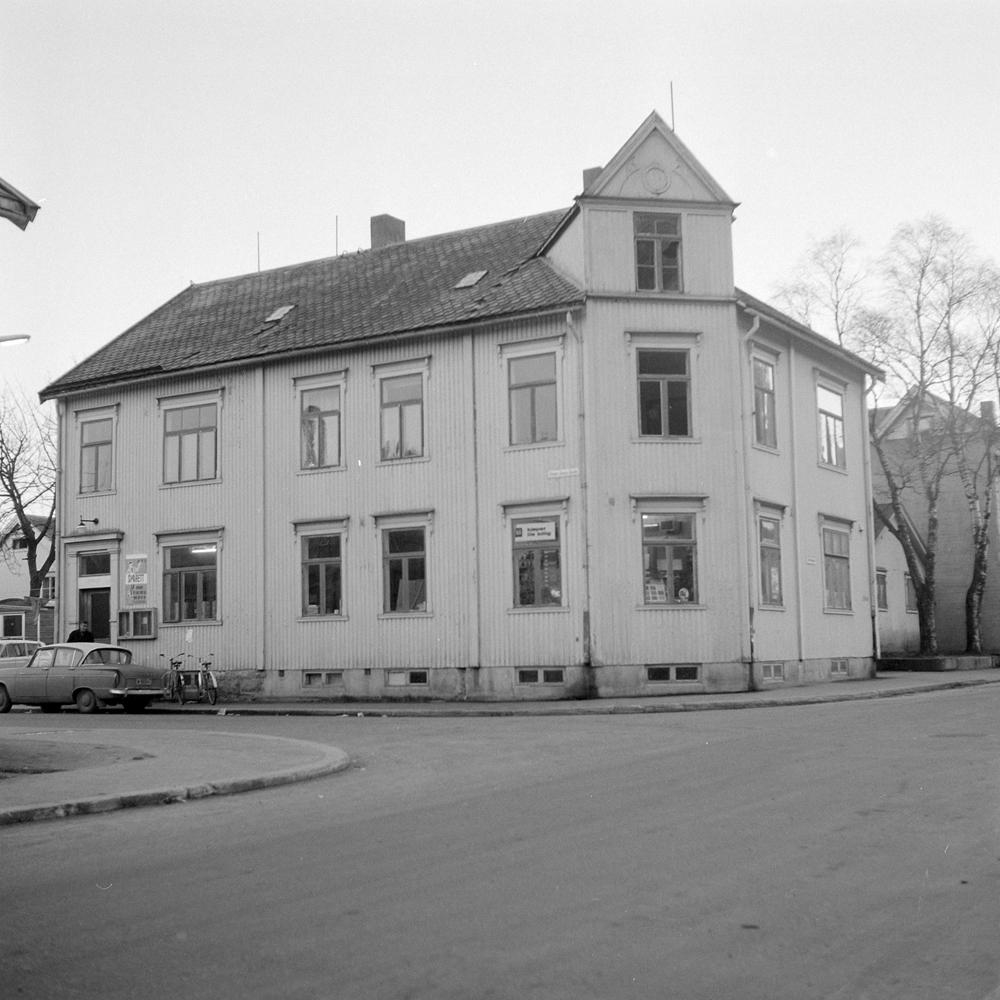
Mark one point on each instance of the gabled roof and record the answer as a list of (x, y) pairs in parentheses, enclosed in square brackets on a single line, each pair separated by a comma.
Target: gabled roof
[(931, 406), (406, 288), (682, 166)]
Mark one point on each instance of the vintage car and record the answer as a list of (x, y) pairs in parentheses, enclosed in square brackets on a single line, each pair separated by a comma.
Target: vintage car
[(87, 674), (16, 652)]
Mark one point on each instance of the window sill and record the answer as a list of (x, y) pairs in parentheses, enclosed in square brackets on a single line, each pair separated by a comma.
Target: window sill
[(672, 607), (318, 469), (768, 449), (652, 439), (192, 623), (840, 469), (533, 446), (542, 609), (191, 482), (771, 607), (395, 615), (322, 618), (388, 463), (96, 493), (838, 611)]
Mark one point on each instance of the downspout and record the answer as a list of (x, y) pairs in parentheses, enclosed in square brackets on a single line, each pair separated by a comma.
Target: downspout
[(748, 515), (584, 501), (476, 563), (870, 528), (262, 623), (58, 625), (797, 520)]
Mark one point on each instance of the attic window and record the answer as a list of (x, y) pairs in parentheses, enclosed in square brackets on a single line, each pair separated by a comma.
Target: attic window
[(280, 313), (472, 278)]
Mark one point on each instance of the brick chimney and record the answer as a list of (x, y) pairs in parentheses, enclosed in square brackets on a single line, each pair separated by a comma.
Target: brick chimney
[(387, 230)]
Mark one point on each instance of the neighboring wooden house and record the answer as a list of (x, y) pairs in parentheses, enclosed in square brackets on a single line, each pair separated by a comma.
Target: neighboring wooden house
[(18, 618), (560, 456), (896, 600), (894, 426)]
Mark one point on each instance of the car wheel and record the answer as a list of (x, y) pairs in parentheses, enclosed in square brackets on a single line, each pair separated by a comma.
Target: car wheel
[(48, 708), (5, 701), (86, 701), (133, 705)]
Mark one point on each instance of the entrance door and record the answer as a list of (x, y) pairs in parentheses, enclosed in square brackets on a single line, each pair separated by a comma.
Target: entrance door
[(95, 610)]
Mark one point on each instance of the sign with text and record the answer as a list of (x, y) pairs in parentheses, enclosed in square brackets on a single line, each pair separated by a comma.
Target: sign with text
[(136, 579)]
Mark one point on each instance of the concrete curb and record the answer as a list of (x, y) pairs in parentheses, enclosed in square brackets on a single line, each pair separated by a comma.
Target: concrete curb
[(332, 761), (665, 704)]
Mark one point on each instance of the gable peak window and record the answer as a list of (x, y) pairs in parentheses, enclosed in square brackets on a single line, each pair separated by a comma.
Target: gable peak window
[(657, 251)]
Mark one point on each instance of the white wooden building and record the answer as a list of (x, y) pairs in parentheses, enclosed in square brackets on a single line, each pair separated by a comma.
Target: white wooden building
[(560, 456)]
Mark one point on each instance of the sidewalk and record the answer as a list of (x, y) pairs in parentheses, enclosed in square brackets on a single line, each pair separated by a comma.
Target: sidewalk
[(886, 685), (116, 768)]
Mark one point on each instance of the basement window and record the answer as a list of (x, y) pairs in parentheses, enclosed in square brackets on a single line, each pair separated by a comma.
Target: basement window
[(838, 668), (772, 671), (321, 678), (404, 678), (672, 672), (541, 676)]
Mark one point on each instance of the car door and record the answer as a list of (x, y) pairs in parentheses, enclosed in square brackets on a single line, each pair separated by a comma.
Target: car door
[(62, 675), (29, 683)]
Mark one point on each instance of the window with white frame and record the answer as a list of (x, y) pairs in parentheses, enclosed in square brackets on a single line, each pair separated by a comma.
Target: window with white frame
[(401, 400), (533, 395), (322, 574), (657, 251), (537, 550), (190, 442), (190, 581), (48, 589), (404, 569), (669, 557), (96, 450), (836, 539), (830, 408), (765, 426), (769, 540), (320, 426), (664, 384)]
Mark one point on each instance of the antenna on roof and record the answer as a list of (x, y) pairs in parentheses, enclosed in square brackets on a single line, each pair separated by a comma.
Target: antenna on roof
[(672, 129)]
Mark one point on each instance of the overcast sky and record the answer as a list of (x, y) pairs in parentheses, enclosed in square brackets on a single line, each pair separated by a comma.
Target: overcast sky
[(161, 138)]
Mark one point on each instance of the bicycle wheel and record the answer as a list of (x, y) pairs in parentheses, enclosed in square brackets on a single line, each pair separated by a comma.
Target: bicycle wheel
[(211, 689), (179, 691)]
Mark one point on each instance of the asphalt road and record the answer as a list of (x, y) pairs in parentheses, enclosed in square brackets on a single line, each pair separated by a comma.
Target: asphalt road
[(839, 851)]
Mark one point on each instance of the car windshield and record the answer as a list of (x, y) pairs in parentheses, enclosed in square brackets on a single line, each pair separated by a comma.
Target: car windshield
[(108, 656)]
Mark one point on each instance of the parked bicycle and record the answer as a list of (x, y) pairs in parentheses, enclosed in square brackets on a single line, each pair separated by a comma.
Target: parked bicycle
[(191, 684)]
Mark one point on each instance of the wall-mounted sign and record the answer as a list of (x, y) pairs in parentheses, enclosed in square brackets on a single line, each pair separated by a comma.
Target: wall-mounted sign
[(136, 579), (535, 531)]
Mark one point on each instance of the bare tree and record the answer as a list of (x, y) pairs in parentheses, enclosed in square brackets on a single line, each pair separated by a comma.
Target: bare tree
[(927, 314), (27, 483)]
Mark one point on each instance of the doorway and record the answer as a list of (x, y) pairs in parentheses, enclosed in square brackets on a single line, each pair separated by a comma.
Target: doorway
[(95, 610)]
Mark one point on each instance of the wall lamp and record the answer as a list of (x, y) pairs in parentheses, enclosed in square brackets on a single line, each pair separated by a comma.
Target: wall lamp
[(89, 520)]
